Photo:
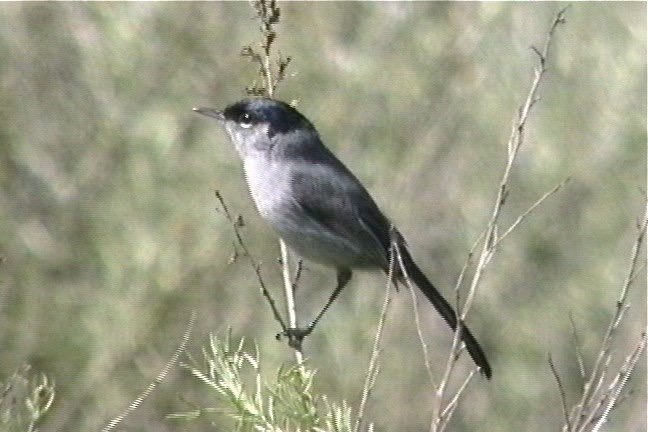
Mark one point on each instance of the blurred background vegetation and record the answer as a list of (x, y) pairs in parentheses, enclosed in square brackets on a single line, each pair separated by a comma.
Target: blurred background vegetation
[(111, 238)]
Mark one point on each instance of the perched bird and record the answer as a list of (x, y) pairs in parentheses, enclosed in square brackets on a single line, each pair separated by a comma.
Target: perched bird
[(317, 206)]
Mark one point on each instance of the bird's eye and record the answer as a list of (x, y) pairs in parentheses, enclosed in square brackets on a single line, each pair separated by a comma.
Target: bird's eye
[(245, 120)]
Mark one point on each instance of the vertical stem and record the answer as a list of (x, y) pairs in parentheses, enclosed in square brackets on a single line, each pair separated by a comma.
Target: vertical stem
[(268, 35), (290, 295), (285, 258)]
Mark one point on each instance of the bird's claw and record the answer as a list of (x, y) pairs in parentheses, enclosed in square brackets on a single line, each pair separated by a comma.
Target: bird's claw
[(295, 336)]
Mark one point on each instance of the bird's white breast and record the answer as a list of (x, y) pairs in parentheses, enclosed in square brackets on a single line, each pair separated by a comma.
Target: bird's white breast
[(269, 185)]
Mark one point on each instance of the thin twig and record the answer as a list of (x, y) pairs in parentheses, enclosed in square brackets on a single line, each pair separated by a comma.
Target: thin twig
[(269, 14), (489, 238), (438, 423), (289, 294), (577, 345), (621, 306), (590, 412), (561, 390), (454, 401), (466, 265), (299, 268), (417, 319), (158, 379), (620, 381), (372, 369), (419, 332), (454, 353), (235, 223), (528, 211), (438, 412), (514, 143), (632, 270)]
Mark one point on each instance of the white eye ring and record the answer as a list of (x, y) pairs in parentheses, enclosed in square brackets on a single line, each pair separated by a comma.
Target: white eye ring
[(245, 121)]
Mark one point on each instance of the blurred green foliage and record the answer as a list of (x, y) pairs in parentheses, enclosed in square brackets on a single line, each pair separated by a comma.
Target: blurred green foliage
[(107, 217)]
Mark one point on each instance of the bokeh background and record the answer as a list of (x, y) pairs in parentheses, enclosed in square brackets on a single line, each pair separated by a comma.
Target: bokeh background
[(111, 238)]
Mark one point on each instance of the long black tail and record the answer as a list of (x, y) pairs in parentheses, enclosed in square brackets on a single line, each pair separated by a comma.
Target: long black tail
[(446, 311)]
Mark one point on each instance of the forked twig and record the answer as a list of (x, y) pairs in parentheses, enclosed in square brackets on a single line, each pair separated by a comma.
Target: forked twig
[(528, 211), (236, 224), (489, 238), (454, 401), (585, 412), (515, 141), (438, 412), (620, 381)]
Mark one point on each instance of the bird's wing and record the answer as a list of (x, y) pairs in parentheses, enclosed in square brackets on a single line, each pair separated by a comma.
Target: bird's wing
[(330, 195)]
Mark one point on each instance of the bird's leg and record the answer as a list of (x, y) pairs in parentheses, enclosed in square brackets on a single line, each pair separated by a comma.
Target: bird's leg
[(297, 335), (343, 277)]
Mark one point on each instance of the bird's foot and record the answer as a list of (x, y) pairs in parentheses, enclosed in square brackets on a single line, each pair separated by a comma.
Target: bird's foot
[(295, 336)]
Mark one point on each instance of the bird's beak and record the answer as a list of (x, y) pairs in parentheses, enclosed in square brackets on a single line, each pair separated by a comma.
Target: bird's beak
[(210, 112)]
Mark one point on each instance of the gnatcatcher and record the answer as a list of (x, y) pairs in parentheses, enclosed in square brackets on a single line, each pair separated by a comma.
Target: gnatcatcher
[(317, 206)]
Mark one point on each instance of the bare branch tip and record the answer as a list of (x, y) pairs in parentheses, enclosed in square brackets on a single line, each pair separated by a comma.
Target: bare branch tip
[(562, 11), (560, 17)]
